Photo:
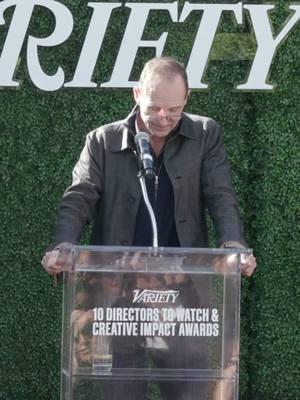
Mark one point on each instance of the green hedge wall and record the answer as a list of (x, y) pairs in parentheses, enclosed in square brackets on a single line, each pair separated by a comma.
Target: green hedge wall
[(41, 134)]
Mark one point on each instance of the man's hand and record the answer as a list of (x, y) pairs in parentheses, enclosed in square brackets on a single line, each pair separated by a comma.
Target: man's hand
[(248, 261), (55, 261), (248, 264), (51, 262)]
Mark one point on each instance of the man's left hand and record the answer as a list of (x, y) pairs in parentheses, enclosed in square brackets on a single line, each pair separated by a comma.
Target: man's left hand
[(248, 264)]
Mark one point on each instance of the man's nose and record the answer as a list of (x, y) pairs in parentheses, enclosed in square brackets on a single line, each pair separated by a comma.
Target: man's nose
[(162, 113)]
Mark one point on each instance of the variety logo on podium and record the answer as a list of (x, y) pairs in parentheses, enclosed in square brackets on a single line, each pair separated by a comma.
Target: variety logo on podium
[(154, 296)]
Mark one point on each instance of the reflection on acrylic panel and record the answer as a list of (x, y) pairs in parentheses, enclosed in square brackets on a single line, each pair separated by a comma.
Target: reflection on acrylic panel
[(166, 322)]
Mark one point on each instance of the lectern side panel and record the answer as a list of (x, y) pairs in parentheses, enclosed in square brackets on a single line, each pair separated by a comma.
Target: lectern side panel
[(67, 336), (231, 315)]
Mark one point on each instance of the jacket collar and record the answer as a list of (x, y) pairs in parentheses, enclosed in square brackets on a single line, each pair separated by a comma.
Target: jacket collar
[(126, 131), (124, 134), (187, 128)]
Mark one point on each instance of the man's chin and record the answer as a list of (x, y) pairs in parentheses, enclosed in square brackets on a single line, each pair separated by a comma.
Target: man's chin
[(160, 135), (161, 132)]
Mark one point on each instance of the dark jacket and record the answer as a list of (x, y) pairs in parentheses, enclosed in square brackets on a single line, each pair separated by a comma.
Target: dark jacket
[(105, 190)]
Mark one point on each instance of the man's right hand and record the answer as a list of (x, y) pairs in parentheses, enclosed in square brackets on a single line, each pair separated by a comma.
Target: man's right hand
[(51, 263), (55, 261)]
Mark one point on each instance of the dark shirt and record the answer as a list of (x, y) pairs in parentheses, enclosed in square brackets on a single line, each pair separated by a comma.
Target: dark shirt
[(163, 206)]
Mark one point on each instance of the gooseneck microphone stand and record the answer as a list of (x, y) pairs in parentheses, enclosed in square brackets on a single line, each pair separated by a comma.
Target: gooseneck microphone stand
[(141, 176), (146, 171)]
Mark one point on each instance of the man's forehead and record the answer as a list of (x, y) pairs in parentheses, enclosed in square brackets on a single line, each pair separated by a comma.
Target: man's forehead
[(163, 92), (163, 100), (155, 80)]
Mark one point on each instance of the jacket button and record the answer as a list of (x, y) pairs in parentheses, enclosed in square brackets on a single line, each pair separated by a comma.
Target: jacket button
[(132, 199), (182, 221)]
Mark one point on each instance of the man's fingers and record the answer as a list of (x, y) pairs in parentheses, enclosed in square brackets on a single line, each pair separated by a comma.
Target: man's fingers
[(49, 262), (248, 265)]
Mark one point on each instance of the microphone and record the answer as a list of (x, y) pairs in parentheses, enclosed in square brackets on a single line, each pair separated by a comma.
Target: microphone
[(146, 160)]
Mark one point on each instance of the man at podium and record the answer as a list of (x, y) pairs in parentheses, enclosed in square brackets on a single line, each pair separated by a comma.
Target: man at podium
[(190, 174)]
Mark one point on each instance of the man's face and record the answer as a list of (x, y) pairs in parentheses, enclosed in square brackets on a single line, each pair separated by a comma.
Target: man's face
[(161, 103)]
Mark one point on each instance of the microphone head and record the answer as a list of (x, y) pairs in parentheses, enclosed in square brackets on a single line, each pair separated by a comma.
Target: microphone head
[(141, 136), (142, 140)]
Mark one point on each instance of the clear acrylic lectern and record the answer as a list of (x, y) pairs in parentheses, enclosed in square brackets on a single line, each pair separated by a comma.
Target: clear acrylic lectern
[(155, 324)]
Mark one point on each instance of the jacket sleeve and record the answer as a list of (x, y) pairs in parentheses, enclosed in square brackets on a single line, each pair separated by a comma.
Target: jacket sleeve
[(218, 192), (80, 200)]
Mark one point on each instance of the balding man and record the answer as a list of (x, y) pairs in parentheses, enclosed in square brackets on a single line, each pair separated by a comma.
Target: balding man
[(191, 174)]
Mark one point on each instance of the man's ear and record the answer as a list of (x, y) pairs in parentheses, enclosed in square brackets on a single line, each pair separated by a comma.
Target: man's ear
[(136, 94)]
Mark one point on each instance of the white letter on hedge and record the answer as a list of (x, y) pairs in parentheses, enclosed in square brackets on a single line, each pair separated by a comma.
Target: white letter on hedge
[(63, 29), (266, 44), (205, 36), (132, 40), (92, 45), (15, 38)]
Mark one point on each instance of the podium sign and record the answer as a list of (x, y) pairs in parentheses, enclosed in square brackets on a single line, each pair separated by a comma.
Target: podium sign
[(144, 323)]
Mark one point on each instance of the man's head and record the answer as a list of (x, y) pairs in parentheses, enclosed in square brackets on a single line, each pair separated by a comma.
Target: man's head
[(161, 94)]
